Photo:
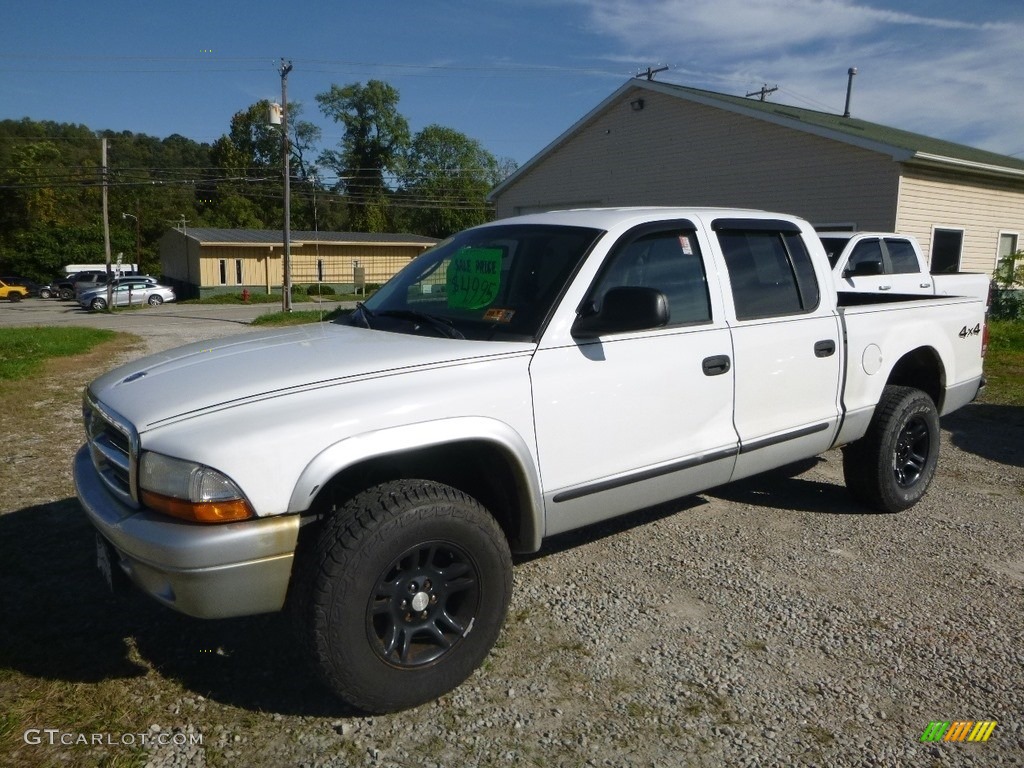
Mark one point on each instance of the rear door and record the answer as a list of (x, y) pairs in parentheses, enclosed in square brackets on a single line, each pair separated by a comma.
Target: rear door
[(786, 344)]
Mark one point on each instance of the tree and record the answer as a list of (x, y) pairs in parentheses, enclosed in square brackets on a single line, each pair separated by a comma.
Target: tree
[(373, 146), (445, 181), (249, 155)]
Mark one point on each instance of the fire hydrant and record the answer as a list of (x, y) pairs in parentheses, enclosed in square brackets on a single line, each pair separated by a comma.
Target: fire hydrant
[(245, 295)]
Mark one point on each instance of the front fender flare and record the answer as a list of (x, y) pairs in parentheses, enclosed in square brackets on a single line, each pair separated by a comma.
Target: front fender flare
[(393, 440)]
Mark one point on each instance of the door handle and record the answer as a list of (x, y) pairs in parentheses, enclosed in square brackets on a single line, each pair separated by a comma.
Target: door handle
[(716, 365), (825, 348), (884, 287), (926, 285)]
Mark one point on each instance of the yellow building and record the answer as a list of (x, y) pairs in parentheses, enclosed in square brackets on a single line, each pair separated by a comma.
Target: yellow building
[(202, 262)]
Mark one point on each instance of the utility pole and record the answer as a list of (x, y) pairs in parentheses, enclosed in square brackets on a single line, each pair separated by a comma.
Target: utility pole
[(106, 220), (765, 90), (286, 288), (650, 72), (851, 73)]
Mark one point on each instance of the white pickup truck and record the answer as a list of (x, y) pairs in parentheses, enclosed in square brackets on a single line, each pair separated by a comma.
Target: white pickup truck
[(885, 261), (523, 378)]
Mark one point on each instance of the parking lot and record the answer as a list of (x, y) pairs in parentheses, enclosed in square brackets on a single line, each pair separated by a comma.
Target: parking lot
[(773, 622), (162, 327)]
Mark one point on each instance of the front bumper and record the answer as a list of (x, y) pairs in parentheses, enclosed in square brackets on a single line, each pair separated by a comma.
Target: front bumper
[(209, 571)]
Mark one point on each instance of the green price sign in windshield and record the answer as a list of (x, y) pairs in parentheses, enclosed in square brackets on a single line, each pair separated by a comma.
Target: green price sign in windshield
[(474, 276)]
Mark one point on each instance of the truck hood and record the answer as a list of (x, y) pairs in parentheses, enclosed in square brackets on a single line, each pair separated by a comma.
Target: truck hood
[(230, 371)]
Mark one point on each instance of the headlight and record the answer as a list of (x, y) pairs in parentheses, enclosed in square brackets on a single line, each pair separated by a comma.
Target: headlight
[(190, 491)]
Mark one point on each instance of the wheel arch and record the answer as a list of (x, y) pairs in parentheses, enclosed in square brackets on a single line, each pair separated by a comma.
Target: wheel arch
[(482, 457), (921, 369)]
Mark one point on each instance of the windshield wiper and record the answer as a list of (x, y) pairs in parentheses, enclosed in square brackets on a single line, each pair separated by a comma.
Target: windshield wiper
[(437, 323)]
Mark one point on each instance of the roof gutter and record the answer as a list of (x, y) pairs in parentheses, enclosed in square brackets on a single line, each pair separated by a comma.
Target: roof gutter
[(925, 158)]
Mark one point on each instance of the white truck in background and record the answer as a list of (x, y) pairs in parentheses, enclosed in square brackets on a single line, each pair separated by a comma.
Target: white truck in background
[(866, 262)]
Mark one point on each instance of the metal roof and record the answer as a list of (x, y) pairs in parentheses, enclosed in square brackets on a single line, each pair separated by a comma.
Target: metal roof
[(211, 236)]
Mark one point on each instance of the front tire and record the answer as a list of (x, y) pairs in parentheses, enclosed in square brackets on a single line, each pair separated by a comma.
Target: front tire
[(891, 467), (14, 297), (44, 293), (98, 304), (403, 595)]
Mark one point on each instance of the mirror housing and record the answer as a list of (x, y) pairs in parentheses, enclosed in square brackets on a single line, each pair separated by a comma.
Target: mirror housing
[(623, 309)]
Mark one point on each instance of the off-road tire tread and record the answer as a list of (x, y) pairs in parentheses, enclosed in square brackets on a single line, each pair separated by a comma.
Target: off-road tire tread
[(866, 470), (347, 536)]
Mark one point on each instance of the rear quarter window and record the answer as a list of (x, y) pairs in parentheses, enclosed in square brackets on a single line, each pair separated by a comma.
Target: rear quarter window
[(770, 272)]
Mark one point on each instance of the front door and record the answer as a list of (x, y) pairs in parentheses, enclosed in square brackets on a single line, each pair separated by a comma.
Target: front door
[(633, 419)]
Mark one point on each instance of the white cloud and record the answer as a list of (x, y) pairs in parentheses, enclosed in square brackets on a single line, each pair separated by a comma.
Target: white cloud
[(939, 76)]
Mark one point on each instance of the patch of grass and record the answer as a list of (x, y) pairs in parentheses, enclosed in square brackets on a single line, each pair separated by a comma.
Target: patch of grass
[(299, 318), (236, 298), (1004, 363), (23, 350)]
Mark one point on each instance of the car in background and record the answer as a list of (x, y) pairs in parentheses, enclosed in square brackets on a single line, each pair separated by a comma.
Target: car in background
[(86, 286), (126, 292), (12, 292), (64, 287)]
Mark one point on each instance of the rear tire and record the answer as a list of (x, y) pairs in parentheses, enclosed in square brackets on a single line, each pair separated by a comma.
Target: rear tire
[(66, 294), (44, 293), (891, 467), (155, 301), (14, 296), (403, 594)]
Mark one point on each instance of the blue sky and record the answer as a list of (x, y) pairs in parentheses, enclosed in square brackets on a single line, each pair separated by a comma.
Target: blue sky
[(513, 75)]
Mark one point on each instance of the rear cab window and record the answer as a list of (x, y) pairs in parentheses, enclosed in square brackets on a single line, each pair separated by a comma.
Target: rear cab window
[(770, 269), (902, 256)]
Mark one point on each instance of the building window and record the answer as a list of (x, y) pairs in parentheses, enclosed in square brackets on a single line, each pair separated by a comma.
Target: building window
[(947, 245), (1006, 261), (319, 270), (223, 272), (238, 271)]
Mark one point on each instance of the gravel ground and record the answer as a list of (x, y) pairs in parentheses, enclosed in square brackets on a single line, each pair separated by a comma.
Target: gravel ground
[(769, 623)]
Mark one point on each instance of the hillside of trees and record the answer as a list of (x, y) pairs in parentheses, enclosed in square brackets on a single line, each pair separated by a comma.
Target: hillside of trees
[(379, 178)]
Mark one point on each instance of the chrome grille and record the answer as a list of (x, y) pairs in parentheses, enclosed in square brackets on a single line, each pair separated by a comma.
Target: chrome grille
[(113, 446)]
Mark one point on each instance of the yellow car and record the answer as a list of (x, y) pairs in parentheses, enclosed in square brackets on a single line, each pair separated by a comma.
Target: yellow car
[(12, 292)]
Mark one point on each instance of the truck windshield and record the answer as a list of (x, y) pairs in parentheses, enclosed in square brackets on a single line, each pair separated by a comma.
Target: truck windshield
[(499, 282)]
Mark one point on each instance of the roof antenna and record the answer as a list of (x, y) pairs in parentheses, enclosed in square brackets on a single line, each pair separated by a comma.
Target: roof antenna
[(849, 89)]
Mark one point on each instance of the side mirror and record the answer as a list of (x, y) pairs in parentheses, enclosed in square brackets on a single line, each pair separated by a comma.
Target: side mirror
[(624, 309), (865, 269)]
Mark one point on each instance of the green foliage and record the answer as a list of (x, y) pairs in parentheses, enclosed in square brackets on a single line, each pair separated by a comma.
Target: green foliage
[(1010, 270), (299, 318), (50, 182), (319, 289), (23, 350), (1007, 304), (445, 181), (1004, 363), (373, 147)]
